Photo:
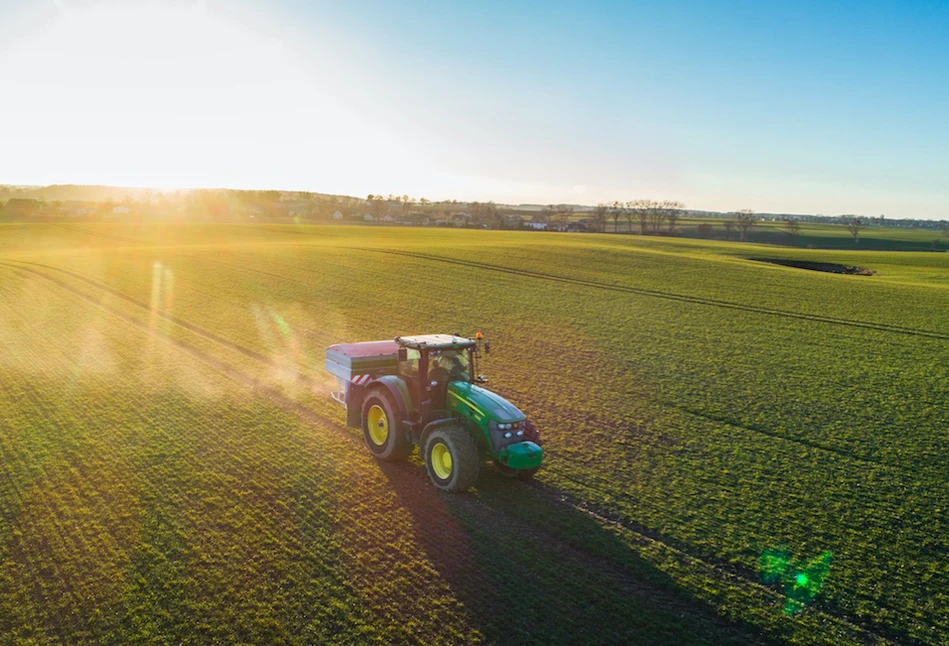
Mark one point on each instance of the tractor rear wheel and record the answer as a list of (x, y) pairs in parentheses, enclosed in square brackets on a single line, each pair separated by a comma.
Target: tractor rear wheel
[(382, 428), (451, 458)]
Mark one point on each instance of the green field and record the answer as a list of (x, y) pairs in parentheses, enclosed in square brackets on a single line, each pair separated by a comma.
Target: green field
[(816, 235), (173, 470)]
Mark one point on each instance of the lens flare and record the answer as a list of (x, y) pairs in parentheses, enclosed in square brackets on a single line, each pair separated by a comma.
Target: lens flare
[(801, 581)]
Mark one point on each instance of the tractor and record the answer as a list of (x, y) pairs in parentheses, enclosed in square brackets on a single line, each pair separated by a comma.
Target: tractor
[(425, 391)]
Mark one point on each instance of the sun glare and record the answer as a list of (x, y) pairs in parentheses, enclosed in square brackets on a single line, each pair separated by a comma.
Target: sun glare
[(161, 94), (165, 94)]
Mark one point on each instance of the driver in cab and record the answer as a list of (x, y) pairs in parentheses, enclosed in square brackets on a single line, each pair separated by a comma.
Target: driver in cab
[(448, 367)]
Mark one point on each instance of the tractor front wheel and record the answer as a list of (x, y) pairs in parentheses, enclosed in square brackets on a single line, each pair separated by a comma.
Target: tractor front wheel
[(382, 428), (451, 459)]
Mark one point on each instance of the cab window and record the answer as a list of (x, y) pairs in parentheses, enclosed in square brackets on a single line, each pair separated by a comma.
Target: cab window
[(409, 367), (449, 365)]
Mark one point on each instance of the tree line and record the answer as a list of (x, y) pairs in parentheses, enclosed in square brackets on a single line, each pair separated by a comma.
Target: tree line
[(653, 217)]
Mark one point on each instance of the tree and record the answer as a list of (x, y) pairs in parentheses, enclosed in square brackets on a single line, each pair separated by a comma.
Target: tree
[(378, 207), (853, 225), (657, 215), (705, 230), (642, 212), (616, 210), (792, 228), (600, 214), (729, 229), (673, 213), (744, 220), (548, 212), (629, 210), (563, 213), (486, 213)]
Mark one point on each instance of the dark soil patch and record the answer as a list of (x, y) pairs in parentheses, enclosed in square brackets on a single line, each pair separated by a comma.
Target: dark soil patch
[(829, 267)]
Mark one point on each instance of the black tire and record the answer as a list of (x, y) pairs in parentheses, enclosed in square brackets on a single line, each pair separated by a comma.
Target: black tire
[(396, 445), (516, 474), (465, 461)]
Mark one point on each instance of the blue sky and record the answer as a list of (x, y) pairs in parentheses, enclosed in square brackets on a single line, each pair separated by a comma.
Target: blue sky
[(800, 107)]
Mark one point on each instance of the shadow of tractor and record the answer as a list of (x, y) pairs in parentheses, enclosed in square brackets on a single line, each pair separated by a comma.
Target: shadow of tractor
[(529, 569)]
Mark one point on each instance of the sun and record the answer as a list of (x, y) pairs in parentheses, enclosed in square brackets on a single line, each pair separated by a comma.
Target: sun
[(166, 94)]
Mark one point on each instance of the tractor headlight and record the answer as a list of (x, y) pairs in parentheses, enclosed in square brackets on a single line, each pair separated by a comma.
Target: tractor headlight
[(507, 435), (520, 433), (504, 427)]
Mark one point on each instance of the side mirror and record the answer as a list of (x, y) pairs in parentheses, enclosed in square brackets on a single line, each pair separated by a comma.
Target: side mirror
[(403, 354)]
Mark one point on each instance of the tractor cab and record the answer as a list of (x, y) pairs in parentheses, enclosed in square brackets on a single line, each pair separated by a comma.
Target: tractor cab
[(428, 363)]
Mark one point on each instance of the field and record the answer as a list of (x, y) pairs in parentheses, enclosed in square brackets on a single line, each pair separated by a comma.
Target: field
[(816, 235), (738, 452)]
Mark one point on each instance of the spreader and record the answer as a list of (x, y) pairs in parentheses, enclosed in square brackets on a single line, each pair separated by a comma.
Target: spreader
[(423, 391)]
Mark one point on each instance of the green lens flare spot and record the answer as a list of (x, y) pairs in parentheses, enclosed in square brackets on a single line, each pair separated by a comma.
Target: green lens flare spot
[(801, 579)]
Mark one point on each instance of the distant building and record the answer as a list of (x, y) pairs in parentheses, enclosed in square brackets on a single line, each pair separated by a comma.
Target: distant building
[(536, 225), (367, 218), (121, 210), (337, 215)]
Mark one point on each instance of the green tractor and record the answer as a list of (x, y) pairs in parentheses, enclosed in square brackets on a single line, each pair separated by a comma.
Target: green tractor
[(423, 391)]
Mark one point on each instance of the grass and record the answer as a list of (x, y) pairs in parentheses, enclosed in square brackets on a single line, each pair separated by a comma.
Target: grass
[(174, 471)]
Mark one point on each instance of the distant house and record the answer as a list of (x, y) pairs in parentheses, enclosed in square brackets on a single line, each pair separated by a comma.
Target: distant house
[(536, 224), (367, 218), (461, 219), (121, 210), (337, 215), (388, 218)]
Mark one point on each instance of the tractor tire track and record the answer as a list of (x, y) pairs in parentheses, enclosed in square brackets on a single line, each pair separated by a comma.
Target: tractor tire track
[(175, 255), (642, 291), (696, 300), (143, 306), (640, 534)]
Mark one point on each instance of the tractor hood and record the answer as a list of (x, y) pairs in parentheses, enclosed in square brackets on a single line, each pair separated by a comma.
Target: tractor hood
[(483, 404)]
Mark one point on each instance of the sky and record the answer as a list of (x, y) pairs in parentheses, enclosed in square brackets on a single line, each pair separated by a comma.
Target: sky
[(797, 107)]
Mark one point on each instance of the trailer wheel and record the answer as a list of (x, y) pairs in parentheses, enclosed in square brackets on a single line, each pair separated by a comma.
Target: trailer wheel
[(382, 428), (451, 459)]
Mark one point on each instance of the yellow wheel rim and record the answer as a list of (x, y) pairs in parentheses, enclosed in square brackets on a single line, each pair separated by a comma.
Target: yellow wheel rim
[(378, 425), (441, 461)]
